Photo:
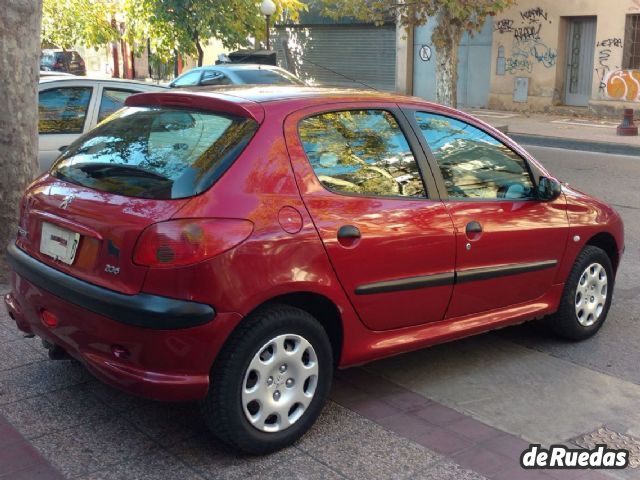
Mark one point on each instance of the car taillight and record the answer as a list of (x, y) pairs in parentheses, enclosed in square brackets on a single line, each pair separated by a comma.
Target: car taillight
[(188, 241)]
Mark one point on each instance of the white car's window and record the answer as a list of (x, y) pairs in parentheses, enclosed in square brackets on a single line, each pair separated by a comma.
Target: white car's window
[(63, 110), (474, 165), (112, 100), (189, 78), (214, 77)]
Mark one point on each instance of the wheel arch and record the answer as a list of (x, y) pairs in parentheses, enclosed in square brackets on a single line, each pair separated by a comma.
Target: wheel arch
[(606, 242), (319, 306), (322, 309)]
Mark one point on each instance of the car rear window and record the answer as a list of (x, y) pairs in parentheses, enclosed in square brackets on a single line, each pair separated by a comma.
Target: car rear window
[(266, 77), (156, 152)]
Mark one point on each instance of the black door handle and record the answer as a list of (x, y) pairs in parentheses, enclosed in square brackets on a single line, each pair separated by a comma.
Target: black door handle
[(348, 231), (473, 227)]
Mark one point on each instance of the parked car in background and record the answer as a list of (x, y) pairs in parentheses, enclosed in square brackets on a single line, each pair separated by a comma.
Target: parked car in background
[(70, 106), (233, 248), (56, 60), (236, 74)]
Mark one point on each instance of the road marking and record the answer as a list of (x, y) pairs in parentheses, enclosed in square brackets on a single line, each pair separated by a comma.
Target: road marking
[(585, 123), (491, 114)]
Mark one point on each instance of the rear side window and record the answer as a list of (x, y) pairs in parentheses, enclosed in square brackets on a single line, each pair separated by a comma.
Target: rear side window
[(159, 153), (361, 152), (112, 100), (63, 110)]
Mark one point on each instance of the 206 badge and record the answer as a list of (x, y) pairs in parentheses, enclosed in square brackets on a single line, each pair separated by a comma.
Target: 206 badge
[(111, 269)]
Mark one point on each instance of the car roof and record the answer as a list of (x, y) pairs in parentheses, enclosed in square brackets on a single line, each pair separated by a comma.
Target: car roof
[(273, 93), (248, 100), (88, 80), (57, 50), (236, 66)]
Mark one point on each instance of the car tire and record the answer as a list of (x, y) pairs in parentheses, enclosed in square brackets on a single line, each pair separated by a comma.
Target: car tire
[(586, 297), (242, 408)]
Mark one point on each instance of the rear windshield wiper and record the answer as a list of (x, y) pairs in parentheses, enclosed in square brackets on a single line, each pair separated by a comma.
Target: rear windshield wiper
[(115, 169)]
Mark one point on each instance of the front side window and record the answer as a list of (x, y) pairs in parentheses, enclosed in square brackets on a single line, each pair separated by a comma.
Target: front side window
[(361, 152), (214, 77), (474, 165), (112, 100), (188, 79), (63, 110), (267, 76), (156, 152)]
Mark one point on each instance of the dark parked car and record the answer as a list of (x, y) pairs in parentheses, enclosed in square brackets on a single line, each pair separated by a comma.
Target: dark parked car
[(233, 247), (236, 75), (68, 61)]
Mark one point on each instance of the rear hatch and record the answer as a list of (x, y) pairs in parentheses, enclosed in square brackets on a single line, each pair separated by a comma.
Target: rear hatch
[(58, 214), (139, 167)]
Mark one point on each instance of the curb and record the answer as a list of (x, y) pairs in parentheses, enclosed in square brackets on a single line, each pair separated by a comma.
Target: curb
[(575, 144)]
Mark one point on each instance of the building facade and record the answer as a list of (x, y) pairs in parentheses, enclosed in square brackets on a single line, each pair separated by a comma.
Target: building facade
[(539, 54)]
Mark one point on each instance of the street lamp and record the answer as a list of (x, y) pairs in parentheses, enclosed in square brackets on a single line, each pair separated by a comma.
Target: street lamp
[(268, 8)]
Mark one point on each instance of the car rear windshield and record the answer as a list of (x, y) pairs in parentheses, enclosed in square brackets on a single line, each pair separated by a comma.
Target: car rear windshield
[(267, 77), (155, 152)]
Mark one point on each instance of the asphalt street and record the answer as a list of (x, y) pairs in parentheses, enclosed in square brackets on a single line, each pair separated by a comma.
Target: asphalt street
[(615, 179), (523, 380)]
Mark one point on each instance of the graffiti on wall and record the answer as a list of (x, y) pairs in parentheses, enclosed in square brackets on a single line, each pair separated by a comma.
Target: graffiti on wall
[(528, 47), (606, 48), (623, 85)]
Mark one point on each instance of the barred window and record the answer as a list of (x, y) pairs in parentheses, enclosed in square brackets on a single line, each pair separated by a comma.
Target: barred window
[(631, 53)]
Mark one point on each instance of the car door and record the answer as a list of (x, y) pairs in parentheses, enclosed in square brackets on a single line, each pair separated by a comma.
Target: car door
[(508, 243), (365, 182), (63, 115)]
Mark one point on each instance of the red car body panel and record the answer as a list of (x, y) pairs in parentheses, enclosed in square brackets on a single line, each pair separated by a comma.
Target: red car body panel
[(293, 250)]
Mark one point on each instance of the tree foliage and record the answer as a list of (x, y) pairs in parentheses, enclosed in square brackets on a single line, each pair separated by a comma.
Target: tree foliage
[(453, 19), (71, 23), (184, 26)]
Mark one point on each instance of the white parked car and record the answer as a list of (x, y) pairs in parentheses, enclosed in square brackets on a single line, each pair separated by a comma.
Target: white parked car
[(71, 106)]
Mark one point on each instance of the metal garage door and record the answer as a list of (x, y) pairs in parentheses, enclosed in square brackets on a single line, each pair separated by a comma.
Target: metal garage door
[(342, 55)]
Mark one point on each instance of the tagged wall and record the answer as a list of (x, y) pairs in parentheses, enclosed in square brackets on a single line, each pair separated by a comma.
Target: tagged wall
[(623, 85), (531, 47)]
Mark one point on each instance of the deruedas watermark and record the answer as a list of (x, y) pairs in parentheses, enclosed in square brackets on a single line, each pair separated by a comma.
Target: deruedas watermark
[(561, 456)]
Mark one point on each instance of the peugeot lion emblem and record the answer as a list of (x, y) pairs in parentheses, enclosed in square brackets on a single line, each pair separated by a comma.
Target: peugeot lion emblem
[(66, 202)]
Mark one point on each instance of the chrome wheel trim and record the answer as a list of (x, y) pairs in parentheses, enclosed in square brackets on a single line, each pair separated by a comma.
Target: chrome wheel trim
[(591, 294), (280, 383)]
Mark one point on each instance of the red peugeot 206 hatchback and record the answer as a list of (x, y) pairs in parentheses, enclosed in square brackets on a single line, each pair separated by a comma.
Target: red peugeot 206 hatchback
[(233, 247)]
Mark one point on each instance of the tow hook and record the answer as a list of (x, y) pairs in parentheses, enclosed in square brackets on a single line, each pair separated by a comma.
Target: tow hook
[(56, 352)]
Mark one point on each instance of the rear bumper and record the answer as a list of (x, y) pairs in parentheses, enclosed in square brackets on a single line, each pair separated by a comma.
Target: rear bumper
[(140, 310), (163, 364)]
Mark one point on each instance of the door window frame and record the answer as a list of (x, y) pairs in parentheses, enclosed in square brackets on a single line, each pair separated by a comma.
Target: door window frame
[(534, 171), (428, 181)]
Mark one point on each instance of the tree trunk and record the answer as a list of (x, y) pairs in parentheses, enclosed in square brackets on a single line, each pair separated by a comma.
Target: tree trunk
[(19, 66), (446, 38), (200, 52)]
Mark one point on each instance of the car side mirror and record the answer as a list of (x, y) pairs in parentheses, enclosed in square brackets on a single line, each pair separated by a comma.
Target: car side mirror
[(548, 189)]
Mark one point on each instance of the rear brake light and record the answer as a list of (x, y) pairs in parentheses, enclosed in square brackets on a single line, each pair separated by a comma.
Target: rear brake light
[(188, 241)]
